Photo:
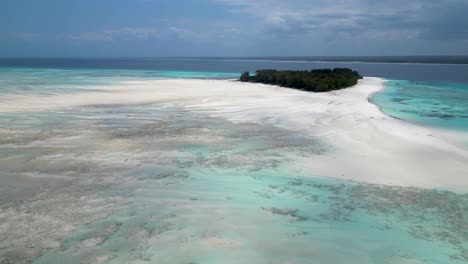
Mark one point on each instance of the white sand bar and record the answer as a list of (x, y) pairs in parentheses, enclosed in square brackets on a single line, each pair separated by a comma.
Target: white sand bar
[(367, 145)]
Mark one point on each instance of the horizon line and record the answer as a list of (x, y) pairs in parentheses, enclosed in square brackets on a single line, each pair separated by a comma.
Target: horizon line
[(390, 59)]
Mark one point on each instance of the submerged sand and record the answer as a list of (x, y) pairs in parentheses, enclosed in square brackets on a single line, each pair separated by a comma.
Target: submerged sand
[(367, 145)]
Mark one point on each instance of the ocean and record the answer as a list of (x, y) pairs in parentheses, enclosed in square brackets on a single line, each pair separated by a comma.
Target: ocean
[(158, 183)]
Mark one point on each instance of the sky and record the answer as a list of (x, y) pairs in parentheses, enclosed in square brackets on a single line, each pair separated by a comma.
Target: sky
[(135, 28)]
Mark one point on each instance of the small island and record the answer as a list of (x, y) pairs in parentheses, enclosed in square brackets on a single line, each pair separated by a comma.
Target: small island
[(320, 80)]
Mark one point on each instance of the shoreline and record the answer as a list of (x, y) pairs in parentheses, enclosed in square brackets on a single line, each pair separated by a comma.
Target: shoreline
[(414, 173), (366, 144), (442, 133)]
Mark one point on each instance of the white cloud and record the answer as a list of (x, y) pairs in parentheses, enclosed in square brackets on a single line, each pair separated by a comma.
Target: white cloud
[(141, 33), (30, 37), (136, 32), (211, 32), (414, 19), (183, 33), (90, 36)]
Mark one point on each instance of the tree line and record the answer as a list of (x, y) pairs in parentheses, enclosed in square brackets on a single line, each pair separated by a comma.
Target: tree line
[(320, 80)]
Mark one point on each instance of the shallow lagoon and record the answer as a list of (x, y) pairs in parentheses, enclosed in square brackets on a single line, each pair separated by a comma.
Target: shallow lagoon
[(434, 104), (156, 183), (160, 184)]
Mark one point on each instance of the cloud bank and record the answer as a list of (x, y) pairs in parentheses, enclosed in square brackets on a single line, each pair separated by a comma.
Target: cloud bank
[(238, 28)]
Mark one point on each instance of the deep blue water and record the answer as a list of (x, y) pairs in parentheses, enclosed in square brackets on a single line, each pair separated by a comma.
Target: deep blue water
[(400, 71)]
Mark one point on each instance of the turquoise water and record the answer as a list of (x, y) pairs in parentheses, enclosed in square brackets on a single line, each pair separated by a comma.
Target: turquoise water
[(156, 183), (55, 80), (434, 104)]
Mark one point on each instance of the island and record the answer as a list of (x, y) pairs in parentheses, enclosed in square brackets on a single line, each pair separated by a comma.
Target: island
[(319, 80)]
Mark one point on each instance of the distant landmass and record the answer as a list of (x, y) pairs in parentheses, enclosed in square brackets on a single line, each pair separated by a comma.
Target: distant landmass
[(320, 80), (364, 59), (150, 61)]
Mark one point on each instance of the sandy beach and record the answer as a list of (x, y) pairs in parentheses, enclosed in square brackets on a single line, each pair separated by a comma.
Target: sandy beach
[(368, 146), (185, 170)]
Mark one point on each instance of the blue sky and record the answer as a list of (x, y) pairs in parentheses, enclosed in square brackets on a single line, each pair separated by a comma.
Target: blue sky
[(232, 27)]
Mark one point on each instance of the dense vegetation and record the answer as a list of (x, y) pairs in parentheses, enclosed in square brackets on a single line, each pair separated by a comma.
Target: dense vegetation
[(321, 80)]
